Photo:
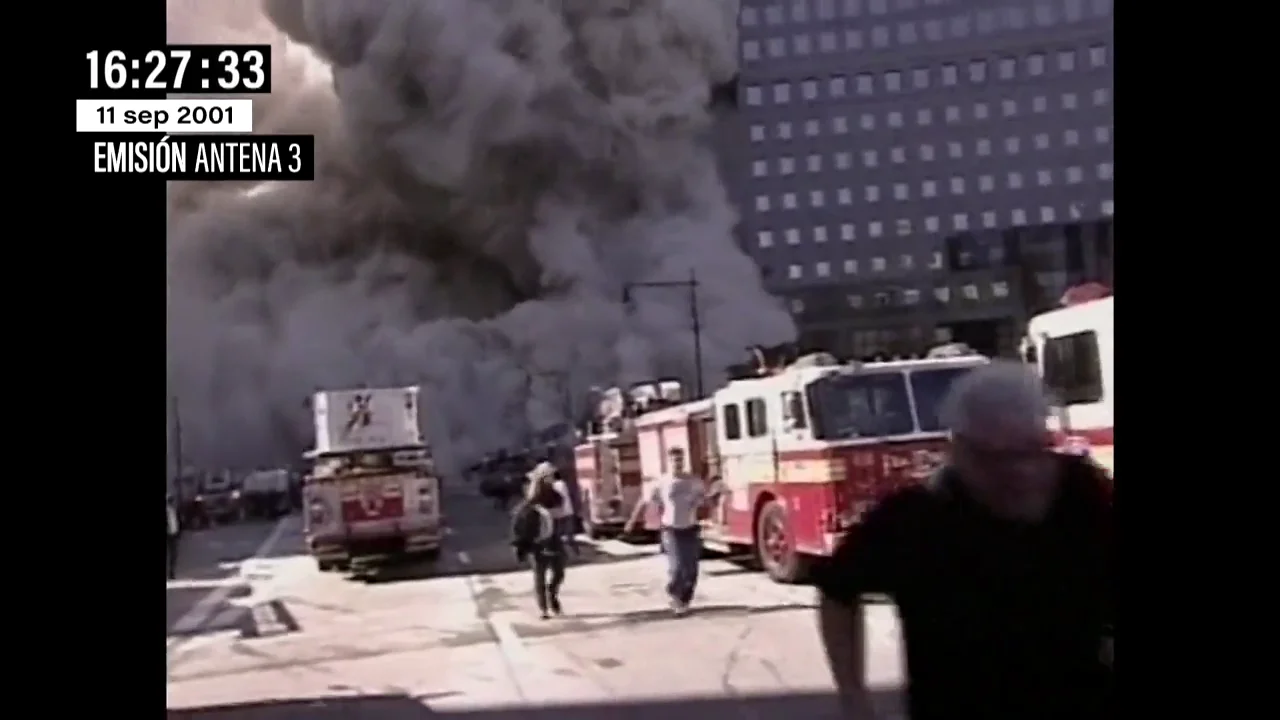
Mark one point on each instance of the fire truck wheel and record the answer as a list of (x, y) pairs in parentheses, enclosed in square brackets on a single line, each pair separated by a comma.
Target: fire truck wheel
[(778, 556)]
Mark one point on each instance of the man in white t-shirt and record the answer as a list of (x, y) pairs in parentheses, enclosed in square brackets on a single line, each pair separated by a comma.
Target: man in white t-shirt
[(679, 496)]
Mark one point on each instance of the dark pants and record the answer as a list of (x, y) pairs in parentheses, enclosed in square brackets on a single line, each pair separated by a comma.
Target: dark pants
[(171, 552), (683, 548), (548, 576)]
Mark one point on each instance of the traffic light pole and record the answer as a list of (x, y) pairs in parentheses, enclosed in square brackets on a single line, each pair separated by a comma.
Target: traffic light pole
[(695, 316)]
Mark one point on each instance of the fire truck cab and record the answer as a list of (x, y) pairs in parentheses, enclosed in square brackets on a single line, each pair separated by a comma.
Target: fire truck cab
[(1073, 348), (372, 495), (796, 457)]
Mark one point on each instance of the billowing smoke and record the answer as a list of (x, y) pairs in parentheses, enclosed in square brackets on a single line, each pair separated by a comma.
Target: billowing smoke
[(490, 173)]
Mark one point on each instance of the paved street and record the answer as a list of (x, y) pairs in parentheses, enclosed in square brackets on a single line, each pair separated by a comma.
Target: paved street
[(465, 640)]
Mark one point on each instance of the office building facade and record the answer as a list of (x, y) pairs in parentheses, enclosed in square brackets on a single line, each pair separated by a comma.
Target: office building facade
[(916, 171)]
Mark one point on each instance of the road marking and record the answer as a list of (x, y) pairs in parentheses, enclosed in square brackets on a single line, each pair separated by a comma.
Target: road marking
[(509, 642), (463, 557), (198, 616)]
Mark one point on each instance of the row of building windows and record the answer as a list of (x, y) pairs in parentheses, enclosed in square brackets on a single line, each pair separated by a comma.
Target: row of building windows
[(931, 224), (978, 71), (955, 186), (1019, 15), (924, 117), (908, 297), (843, 160), (838, 87)]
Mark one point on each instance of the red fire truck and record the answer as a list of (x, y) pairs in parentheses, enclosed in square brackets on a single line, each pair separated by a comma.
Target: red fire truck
[(372, 495), (801, 453)]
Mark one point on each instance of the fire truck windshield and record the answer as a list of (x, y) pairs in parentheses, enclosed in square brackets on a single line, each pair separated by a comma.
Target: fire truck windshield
[(864, 405), (929, 387)]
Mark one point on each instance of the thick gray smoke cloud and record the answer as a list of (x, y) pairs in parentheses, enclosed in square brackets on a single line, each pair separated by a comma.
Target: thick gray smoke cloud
[(490, 174)]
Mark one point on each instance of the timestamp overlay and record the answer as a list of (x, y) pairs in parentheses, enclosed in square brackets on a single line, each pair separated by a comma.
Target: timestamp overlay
[(188, 137)]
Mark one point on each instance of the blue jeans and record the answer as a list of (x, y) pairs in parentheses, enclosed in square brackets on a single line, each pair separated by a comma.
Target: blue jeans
[(683, 548)]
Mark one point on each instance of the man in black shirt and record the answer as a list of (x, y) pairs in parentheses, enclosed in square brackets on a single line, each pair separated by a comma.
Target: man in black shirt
[(1001, 567)]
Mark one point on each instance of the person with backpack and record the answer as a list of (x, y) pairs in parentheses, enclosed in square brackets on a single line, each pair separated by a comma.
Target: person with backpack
[(536, 537)]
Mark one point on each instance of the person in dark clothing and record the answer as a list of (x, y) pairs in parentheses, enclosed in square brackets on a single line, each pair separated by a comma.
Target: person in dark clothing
[(535, 538), (1001, 567)]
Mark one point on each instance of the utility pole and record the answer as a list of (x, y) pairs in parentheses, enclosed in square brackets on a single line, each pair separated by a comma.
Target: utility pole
[(695, 317), (177, 444)]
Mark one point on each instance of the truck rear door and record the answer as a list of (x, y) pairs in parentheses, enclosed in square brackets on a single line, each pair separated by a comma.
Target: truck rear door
[(366, 499)]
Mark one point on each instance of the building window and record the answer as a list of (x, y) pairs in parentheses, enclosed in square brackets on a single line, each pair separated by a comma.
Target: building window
[(838, 86), (867, 121), (802, 45), (869, 158), (957, 186), (1035, 64), (877, 264), (960, 221), (1071, 137), (932, 224), (1015, 16), (986, 183), (935, 261), (950, 75), (1000, 289), (809, 89), (853, 39), (1012, 145), (786, 165), (879, 37), (812, 128), (1101, 96), (924, 117), (795, 272), (929, 188), (1009, 107), (827, 42), (751, 50), (907, 34), (1042, 14), (789, 201), (748, 17), (903, 227), (955, 150), (797, 307), (1066, 60), (1007, 68), (970, 292), (1018, 216), (855, 301), (872, 193), (952, 114), (981, 111), (920, 78), (757, 133), (1044, 178), (1108, 208), (1075, 175), (1047, 215), (777, 47), (898, 155), (933, 30), (1014, 180), (894, 119), (1039, 104), (865, 84), (762, 203), (764, 238), (759, 168), (875, 228), (1070, 101), (840, 125), (822, 269), (1098, 56), (986, 22), (850, 267), (977, 71), (1073, 10), (982, 147), (813, 163), (900, 191), (942, 294), (755, 96), (844, 196), (906, 262), (893, 81), (793, 236), (826, 9), (784, 130), (989, 219), (843, 160), (1042, 141), (817, 199), (878, 7), (1105, 171), (961, 26), (773, 15), (1102, 134), (847, 233), (781, 93)]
